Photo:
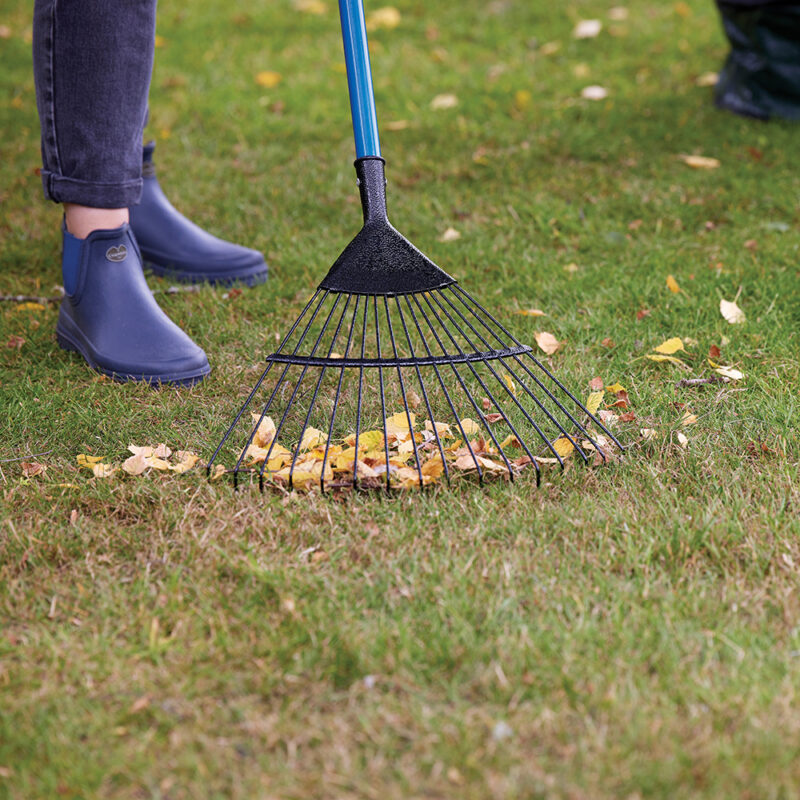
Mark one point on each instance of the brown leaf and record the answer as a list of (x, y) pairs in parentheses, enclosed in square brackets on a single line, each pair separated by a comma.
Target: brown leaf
[(596, 384), (162, 451), (15, 342), (30, 469), (713, 351), (607, 342), (642, 313), (547, 342), (486, 403), (492, 418)]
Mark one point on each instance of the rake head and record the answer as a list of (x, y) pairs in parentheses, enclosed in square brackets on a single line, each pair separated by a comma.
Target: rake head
[(393, 375)]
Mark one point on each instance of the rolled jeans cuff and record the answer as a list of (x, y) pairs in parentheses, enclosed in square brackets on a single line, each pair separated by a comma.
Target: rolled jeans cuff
[(87, 193)]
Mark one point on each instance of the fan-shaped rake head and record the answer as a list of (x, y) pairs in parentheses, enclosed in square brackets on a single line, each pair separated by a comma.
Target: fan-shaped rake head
[(393, 375)]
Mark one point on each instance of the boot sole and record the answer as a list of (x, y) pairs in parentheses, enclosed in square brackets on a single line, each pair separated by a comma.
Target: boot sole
[(250, 278), (66, 342)]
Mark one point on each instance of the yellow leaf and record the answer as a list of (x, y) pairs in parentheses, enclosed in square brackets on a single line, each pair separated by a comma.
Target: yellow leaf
[(433, 468), (563, 446), (135, 465), (656, 357), (689, 419), (265, 432), (217, 472), (700, 162), (312, 438), (647, 433), (310, 6), (523, 99), (397, 425), (510, 441), (87, 461), (670, 346), (510, 383), (547, 342), (160, 41), (162, 451), (573, 267), (443, 101), (531, 312), (157, 463), (100, 470), (186, 462), (731, 311), (144, 451), (616, 387), (469, 426), (730, 372), (30, 307), (672, 284), (442, 428), (387, 17), (367, 440), (593, 401), (268, 79)]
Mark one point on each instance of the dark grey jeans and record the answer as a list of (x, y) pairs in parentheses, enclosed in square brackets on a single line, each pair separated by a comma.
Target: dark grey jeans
[(92, 63)]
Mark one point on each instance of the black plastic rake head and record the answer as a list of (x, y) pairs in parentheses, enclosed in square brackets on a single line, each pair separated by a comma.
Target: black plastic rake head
[(393, 375)]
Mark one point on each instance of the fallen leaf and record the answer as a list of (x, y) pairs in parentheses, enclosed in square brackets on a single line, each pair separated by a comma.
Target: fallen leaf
[(572, 267), (618, 13), (563, 446), (689, 419), (29, 306), (186, 461), (217, 472), (707, 79), (730, 372), (268, 79), (672, 284), (628, 416), (135, 465), (550, 48), (587, 29), (100, 470), (670, 346), (157, 463), (731, 311), (594, 400), (596, 384), (387, 17), (313, 438), (469, 426), (87, 461), (443, 101), (531, 312), (684, 442), (547, 342), (647, 433), (700, 162), (30, 469), (523, 99), (161, 451), (450, 235), (594, 92), (616, 387), (607, 342), (15, 342), (144, 451), (310, 6), (713, 351), (492, 418), (510, 383), (265, 432), (413, 398), (751, 244), (657, 357)]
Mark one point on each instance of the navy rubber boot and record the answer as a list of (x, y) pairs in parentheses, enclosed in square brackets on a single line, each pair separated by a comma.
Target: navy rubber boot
[(171, 245), (110, 317)]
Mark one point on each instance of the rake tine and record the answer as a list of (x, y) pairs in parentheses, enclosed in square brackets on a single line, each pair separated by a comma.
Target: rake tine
[(424, 391), (469, 394), (272, 397), (256, 388), (316, 392), (403, 393), (441, 381), (383, 398), (553, 419), (291, 400), (360, 390), (508, 391), (338, 392), (541, 366)]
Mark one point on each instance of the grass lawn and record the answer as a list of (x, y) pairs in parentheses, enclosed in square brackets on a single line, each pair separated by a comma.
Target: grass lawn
[(621, 632)]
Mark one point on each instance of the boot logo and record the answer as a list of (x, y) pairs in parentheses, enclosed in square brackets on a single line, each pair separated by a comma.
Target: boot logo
[(117, 253)]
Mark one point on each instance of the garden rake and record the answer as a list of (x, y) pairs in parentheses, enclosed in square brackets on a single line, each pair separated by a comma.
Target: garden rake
[(388, 339)]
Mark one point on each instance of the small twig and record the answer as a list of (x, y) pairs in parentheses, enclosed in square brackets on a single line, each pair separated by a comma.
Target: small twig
[(22, 458), (699, 381), (28, 298)]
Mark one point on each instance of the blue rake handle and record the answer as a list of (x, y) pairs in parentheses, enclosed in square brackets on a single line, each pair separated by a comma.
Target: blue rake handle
[(359, 78)]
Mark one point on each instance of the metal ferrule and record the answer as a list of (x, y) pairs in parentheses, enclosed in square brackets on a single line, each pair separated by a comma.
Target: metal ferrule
[(372, 187)]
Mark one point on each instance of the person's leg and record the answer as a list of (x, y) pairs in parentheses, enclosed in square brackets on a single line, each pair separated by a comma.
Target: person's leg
[(92, 67)]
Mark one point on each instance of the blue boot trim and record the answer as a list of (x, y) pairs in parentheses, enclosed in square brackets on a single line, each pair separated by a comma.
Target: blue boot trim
[(173, 246)]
